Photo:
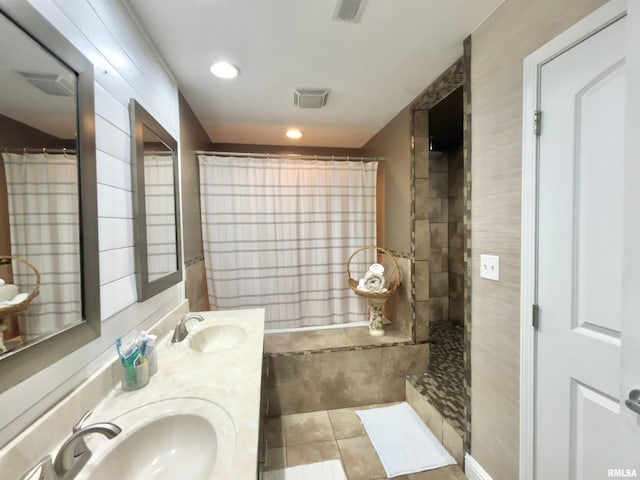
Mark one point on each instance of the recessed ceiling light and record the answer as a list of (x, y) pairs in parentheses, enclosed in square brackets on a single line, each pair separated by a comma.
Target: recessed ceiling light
[(224, 70), (294, 133)]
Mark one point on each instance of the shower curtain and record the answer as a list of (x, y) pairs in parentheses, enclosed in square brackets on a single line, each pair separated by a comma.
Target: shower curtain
[(277, 234), (162, 257), (44, 217)]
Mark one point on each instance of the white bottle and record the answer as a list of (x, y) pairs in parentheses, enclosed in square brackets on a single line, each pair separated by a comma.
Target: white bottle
[(152, 352)]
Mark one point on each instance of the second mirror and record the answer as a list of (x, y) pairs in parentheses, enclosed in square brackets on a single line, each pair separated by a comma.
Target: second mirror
[(156, 194)]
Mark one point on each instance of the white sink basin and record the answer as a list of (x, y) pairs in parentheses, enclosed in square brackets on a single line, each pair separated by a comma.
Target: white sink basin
[(216, 338), (179, 438)]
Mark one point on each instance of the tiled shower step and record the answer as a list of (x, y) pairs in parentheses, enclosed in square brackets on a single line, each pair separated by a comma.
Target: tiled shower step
[(441, 427)]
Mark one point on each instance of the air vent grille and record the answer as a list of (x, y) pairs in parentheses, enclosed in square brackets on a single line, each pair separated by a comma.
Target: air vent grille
[(50, 83), (310, 97)]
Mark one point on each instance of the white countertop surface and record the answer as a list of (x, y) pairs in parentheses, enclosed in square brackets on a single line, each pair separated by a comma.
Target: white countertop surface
[(230, 378)]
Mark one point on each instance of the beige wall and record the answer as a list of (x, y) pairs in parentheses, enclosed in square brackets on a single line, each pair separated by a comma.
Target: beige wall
[(192, 138), (14, 134), (286, 149), (393, 143), (499, 46)]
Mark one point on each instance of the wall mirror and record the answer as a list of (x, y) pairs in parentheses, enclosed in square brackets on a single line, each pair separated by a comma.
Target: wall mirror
[(48, 208), (156, 205)]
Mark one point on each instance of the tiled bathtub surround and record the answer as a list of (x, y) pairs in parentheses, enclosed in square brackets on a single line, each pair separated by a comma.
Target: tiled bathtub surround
[(329, 340), (338, 368)]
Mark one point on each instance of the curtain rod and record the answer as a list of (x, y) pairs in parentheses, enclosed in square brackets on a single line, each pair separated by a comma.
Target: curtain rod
[(293, 156), (40, 150)]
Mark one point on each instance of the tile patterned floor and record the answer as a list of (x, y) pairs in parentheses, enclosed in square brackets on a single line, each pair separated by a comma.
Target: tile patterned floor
[(333, 434), (443, 384)]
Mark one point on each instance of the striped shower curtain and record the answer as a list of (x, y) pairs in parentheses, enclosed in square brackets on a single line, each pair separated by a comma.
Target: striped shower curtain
[(278, 232), (44, 218), (159, 191)]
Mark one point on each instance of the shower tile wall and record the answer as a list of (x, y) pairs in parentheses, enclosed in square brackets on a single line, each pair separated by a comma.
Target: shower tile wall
[(446, 236), (421, 240), (398, 307), (438, 206), (456, 235)]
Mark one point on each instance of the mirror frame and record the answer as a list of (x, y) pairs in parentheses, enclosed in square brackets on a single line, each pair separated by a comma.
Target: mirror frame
[(24, 363), (139, 119)]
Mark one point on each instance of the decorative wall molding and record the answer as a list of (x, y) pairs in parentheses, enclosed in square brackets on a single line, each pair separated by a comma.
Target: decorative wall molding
[(446, 83), (468, 264), (400, 254), (194, 260)]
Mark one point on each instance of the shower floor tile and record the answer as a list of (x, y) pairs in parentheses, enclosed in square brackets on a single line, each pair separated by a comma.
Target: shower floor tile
[(443, 383)]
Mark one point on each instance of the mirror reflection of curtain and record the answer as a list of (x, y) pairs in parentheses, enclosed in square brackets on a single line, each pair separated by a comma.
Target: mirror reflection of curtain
[(160, 215), (277, 234), (6, 270), (44, 217)]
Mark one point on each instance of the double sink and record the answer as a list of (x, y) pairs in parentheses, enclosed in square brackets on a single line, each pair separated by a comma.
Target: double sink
[(198, 417)]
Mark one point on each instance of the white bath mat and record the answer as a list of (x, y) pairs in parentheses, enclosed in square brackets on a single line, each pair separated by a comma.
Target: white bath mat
[(330, 470), (403, 442)]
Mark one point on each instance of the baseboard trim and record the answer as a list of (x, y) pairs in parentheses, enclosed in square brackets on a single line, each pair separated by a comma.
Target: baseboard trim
[(473, 470)]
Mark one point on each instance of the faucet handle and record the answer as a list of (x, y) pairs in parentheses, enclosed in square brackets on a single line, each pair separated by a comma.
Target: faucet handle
[(83, 419), (45, 466)]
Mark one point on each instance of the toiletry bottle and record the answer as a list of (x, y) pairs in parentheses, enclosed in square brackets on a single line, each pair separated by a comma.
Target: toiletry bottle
[(152, 352)]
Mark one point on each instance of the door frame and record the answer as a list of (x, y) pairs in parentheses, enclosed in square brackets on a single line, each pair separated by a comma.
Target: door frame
[(590, 25)]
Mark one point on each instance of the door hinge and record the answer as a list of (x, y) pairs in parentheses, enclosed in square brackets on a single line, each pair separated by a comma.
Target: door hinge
[(413, 143), (537, 122), (535, 316)]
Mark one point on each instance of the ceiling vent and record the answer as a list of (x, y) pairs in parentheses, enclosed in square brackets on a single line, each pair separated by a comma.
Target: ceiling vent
[(310, 97), (348, 10), (50, 83)]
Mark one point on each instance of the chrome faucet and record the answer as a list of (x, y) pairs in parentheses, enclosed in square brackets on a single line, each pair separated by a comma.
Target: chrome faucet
[(180, 331), (73, 454)]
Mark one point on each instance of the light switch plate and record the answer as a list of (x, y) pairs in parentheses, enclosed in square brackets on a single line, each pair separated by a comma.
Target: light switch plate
[(490, 267)]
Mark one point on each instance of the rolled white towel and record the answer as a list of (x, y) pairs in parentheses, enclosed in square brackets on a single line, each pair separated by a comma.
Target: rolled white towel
[(8, 292), (21, 297), (372, 282)]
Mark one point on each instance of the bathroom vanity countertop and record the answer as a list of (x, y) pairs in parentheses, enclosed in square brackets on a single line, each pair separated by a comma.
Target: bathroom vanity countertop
[(231, 378)]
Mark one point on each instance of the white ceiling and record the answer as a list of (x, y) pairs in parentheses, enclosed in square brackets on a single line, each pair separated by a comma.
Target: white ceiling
[(374, 68), (22, 101)]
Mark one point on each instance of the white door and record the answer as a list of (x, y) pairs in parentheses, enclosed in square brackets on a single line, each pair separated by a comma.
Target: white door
[(581, 419)]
